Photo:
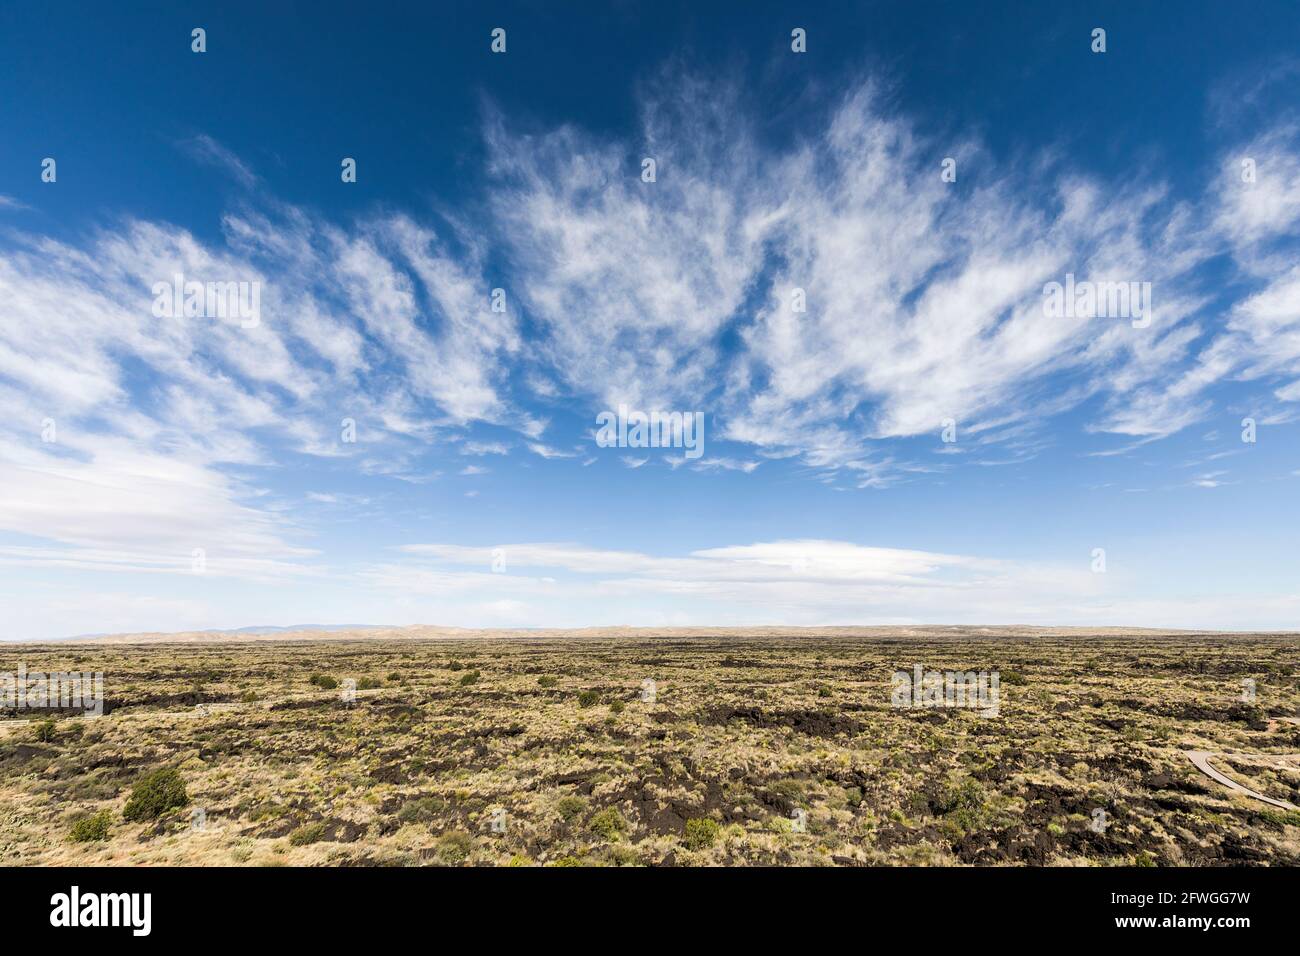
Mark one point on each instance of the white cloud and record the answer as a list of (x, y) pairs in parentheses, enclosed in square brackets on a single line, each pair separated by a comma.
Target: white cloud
[(207, 150), (787, 582), (484, 448), (922, 303), (546, 451), (388, 327)]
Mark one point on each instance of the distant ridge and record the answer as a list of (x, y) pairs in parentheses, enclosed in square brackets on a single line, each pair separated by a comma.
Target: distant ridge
[(426, 632), (255, 629)]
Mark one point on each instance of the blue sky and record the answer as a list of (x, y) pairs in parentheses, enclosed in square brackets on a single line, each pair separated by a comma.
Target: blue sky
[(475, 492)]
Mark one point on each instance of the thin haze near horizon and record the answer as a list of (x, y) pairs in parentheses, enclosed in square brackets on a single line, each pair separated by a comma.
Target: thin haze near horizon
[(453, 260)]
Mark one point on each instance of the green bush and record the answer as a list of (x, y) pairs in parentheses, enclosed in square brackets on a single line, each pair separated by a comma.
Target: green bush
[(967, 795), (566, 861), (571, 807), (455, 847), (608, 823), (45, 730), (962, 806), (791, 790), (1280, 817), (323, 681), (307, 834), (616, 707), (91, 827), (455, 666), (547, 681), (588, 698), (470, 678), (701, 833), (394, 677), (155, 793), (249, 697), (421, 809), (1012, 677), (368, 683), (624, 856)]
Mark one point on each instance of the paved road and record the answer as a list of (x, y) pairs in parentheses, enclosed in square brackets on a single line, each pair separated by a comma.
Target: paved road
[(1202, 760)]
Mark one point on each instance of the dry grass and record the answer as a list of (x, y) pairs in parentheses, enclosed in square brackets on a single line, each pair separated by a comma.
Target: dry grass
[(744, 731)]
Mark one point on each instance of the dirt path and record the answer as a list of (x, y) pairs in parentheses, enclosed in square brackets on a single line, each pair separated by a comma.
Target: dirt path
[(1202, 760)]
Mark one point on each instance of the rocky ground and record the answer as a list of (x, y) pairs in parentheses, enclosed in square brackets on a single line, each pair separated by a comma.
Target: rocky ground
[(766, 749)]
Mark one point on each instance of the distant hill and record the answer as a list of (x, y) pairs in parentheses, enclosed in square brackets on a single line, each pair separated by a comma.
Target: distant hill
[(258, 629), (426, 632)]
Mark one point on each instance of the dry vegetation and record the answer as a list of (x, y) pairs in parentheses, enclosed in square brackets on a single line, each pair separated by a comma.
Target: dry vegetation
[(744, 731)]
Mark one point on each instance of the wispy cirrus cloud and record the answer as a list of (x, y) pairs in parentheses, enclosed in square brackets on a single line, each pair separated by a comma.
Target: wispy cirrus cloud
[(207, 150), (922, 300), (122, 427), (923, 303)]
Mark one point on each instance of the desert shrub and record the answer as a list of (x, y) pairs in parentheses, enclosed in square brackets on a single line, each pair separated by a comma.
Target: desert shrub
[(701, 833), (455, 666), (93, 826), (608, 823), (470, 678), (1252, 715), (155, 793), (261, 811), (571, 807), (307, 833), (616, 707), (824, 692), (1012, 677), (791, 790), (566, 861), (421, 809), (323, 681), (1280, 817), (455, 847), (394, 677), (962, 806), (368, 683), (624, 856), (547, 681), (967, 795), (588, 698), (249, 697), (45, 730)]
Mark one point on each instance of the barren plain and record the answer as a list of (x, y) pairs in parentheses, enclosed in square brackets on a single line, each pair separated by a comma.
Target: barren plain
[(410, 747)]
